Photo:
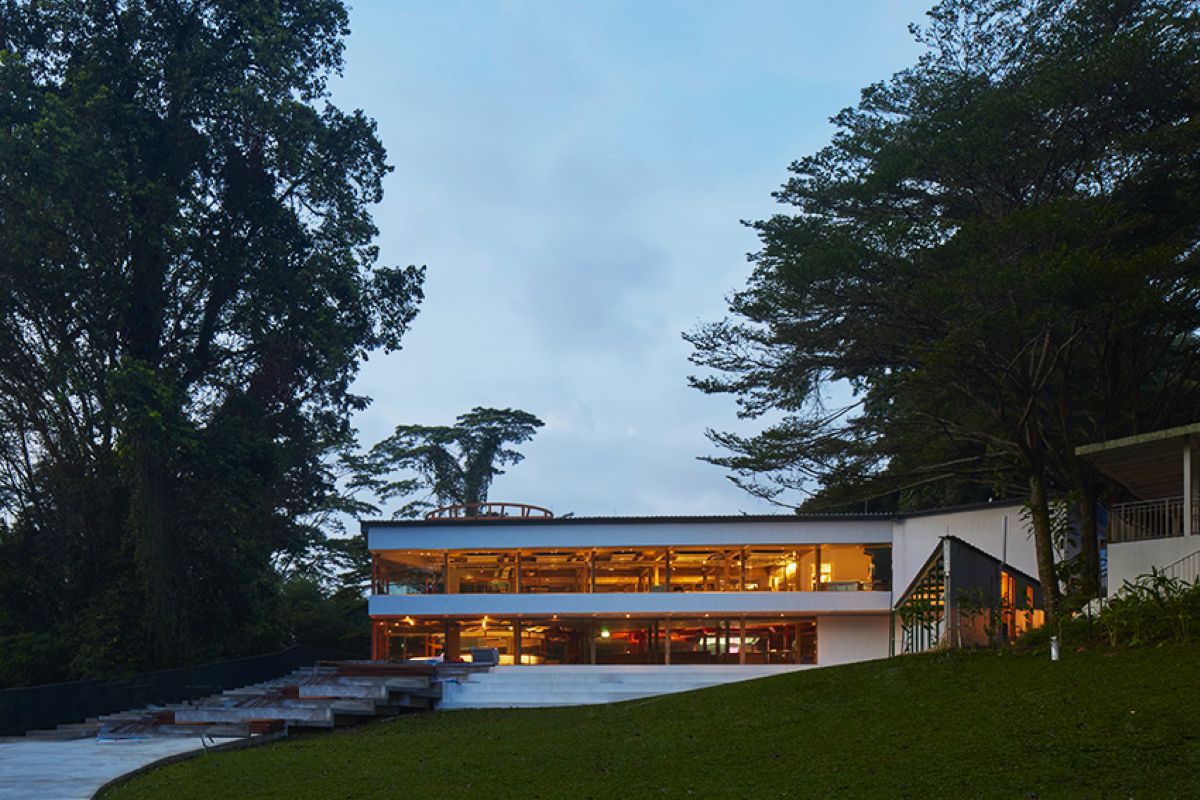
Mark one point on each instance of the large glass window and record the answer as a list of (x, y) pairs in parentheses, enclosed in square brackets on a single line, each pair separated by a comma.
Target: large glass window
[(781, 641), (555, 642), (852, 567), (780, 569), (791, 640), (568, 571), (482, 572), (698, 569), (632, 570), (410, 572), (636, 641), (753, 568), (705, 641)]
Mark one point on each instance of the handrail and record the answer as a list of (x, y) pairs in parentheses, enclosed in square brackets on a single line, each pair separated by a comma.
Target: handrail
[(489, 511), (1151, 519), (1186, 569)]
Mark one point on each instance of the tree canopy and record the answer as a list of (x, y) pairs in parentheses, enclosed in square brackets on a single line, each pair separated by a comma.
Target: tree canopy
[(452, 464), (995, 259), (190, 287)]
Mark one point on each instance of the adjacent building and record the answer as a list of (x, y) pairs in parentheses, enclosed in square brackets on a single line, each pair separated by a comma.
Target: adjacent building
[(1158, 525)]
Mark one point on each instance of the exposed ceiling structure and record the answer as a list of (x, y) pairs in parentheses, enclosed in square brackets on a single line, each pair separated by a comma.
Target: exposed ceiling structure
[(1149, 465)]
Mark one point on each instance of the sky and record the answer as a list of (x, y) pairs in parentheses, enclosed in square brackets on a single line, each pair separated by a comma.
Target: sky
[(574, 176)]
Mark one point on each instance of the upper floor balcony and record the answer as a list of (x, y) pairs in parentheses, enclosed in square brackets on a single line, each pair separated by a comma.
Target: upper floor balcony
[(1152, 519)]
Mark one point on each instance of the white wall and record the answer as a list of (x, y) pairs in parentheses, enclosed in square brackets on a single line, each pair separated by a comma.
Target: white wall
[(915, 537), (453, 535), (615, 603), (1128, 560), (844, 639)]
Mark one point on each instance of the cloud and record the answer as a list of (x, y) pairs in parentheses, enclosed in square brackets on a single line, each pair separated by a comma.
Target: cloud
[(573, 175)]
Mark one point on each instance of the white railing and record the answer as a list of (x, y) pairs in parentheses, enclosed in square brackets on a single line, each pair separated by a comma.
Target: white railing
[(1150, 519), (1186, 569)]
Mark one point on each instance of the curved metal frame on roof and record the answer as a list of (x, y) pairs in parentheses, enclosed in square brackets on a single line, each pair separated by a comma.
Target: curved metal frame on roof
[(489, 511)]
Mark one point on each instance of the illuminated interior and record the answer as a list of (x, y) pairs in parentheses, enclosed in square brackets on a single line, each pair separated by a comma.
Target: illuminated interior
[(773, 568), (782, 640)]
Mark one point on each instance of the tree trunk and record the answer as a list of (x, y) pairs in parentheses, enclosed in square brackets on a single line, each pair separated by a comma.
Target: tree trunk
[(1089, 538), (1043, 539)]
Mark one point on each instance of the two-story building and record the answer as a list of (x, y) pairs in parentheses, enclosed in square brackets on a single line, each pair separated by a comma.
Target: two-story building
[(785, 589)]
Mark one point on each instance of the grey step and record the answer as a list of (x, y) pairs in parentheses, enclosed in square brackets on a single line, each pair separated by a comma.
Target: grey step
[(308, 717), (60, 735), (229, 731)]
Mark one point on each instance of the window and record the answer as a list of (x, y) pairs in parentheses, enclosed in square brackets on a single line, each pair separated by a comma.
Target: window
[(565, 571), (705, 569), (410, 572), (632, 570), (779, 569), (481, 572)]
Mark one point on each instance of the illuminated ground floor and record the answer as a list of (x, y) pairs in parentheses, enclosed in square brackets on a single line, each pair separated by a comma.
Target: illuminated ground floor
[(782, 639)]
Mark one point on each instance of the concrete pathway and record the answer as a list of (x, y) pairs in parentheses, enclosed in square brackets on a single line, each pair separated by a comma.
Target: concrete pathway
[(74, 770)]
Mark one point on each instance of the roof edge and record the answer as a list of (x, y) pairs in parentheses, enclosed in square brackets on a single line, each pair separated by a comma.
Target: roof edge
[(1138, 438), (679, 519)]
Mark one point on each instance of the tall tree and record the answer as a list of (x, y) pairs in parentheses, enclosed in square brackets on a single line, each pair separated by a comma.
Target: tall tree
[(998, 256), (453, 464), (190, 286)]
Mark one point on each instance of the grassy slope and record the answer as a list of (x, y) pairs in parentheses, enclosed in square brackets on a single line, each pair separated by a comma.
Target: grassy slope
[(1095, 725)]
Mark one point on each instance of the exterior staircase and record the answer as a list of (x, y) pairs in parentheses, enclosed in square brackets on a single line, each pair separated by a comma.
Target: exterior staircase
[(325, 696), (566, 685)]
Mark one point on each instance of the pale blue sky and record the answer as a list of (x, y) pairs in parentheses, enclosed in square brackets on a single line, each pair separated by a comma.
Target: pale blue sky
[(573, 174)]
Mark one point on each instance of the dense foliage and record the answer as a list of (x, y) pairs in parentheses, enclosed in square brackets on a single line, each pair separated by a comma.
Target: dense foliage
[(1154, 610), (996, 259), (190, 287)]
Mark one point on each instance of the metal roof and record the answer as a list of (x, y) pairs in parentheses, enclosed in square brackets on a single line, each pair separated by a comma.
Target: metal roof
[(1149, 465), (681, 519)]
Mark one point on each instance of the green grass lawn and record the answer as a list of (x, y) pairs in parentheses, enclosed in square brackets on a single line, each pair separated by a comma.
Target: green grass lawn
[(1099, 724)]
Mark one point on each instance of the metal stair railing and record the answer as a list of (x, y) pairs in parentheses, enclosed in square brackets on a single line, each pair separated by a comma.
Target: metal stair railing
[(1186, 569)]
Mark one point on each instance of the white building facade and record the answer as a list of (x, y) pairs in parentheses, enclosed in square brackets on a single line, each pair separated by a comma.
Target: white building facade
[(787, 589)]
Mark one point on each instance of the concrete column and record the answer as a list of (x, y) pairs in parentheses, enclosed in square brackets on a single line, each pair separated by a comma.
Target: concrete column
[(667, 642), (1188, 489)]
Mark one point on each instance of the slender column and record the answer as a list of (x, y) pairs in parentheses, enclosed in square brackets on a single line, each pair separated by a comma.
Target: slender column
[(517, 642), (667, 642), (1188, 495), (742, 646), (592, 643)]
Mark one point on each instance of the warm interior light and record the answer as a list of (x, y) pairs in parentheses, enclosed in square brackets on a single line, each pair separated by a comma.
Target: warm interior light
[(604, 634), (791, 568)]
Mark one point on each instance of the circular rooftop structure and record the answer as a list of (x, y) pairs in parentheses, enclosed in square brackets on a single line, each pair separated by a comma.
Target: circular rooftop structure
[(486, 511)]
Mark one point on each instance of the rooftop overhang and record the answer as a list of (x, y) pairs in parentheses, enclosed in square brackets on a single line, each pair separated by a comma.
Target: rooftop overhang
[(1149, 465), (560, 534)]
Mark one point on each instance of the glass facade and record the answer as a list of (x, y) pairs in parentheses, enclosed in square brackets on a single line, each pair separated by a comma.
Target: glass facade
[(733, 640), (753, 568)]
